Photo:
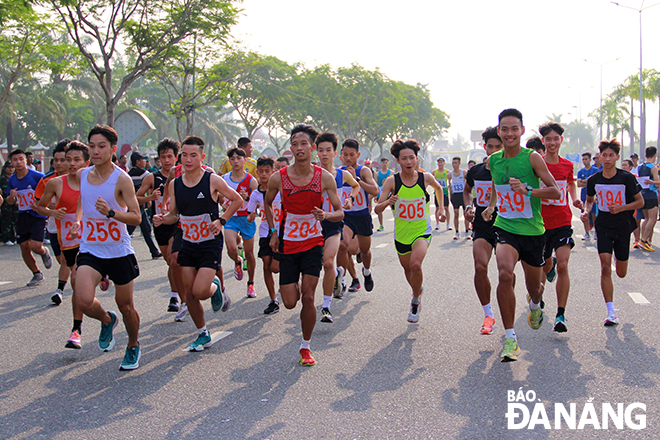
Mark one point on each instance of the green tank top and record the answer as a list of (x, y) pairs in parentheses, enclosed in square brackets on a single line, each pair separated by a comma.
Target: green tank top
[(516, 213), (441, 177), (411, 211)]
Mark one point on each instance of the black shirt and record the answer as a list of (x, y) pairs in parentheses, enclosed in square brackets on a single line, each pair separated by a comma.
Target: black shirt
[(480, 179), (619, 190)]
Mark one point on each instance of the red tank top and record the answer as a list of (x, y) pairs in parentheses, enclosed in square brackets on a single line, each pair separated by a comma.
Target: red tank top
[(68, 200), (299, 229)]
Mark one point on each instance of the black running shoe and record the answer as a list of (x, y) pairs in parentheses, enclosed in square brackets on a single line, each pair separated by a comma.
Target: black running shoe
[(174, 305), (355, 286), (273, 307), (326, 315), (358, 257), (368, 282)]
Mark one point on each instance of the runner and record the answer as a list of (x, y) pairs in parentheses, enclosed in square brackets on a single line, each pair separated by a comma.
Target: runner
[(519, 225), (627, 165), (30, 226), (138, 173), (557, 219), (456, 185), (281, 162), (299, 238), (441, 176), (536, 144), (194, 202), (333, 278), (270, 259), (648, 180), (619, 194), (479, 179), (412, 221), (383, 173), (243, 183), (582, 177), (66, 192), (154, 184), (358, 224), (61, 168), (106, 205)]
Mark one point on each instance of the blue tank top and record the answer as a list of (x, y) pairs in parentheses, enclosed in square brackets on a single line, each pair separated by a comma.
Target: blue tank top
[(361, 205), (648, 191)]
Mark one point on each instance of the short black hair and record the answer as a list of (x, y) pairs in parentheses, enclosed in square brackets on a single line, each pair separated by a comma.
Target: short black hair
[(236, 151), (551, 126), (61, 146), (630, 162), (265, 161), (283, 159), (106, 131), (399, 145), (535, 143), (612, 144), (456, 158), (29, 153), (472, 160), (383, 159), (510, 112), (307, 129), (168, 144), (587, 154), (193, 140), (352, 143), (490, 133), (651, 151), (326, 136), (242, 142), (78, 146), (15, 152)]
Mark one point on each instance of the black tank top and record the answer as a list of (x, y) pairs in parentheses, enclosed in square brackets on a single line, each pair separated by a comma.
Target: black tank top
[(197, 201), (159, 181)]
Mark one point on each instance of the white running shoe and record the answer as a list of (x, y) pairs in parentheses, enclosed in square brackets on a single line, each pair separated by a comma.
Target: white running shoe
[(183, 312)]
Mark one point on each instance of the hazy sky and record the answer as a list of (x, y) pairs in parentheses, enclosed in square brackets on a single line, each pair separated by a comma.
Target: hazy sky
[(478, 56)]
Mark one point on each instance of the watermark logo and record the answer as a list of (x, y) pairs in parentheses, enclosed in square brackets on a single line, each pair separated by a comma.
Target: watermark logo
[(526, 411)]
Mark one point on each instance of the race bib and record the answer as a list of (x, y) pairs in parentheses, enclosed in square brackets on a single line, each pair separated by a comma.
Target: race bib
[(610, 195), (512, 204), (563, 189), (442, 182), (63, 233), (411, 209), (196, 228), (25, 198), (277, 213), (457, 187), (101, 230), (160, 208), (301, 227), (327, 206), (361, 201), (482, 190)]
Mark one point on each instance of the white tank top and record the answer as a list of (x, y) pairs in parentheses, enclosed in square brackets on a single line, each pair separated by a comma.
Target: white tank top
[(101, 236), (457, 182)]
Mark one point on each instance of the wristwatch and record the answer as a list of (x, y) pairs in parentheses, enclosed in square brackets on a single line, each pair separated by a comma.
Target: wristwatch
[(358, 179), (529, 190), (352, 199), (222, 221), (111, 213)]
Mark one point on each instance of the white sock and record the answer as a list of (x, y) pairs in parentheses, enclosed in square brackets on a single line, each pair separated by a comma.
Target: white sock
[(511, 333), (326, 301), (488, 311), (610, 307), (202, 330), (533, 306), (415, 300), (174, 295), (366, 272), (305, 344)]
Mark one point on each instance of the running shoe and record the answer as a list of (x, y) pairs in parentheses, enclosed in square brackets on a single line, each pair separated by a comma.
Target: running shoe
[(646, 246), (183, 311), (337, 288), (560, 324), (37, 279), (456, 236), (238, 270), (488, 325), (586, 237), (595, 236), (226, 301), (355, 286), (216, 298), (154, 257), (468, 235), (106, 339), (241, 253), (47, 260), (57, 297), (380, 228), (529, 298), (358, 257), (10, 243), (413, 316), (273, 307), (637, 245), (105, 283), (511, 350), (437, 227), (550, 276), (449, 228), (74, 341), (368, 281), (250, 291), (535, 318), (174, 305), (131, 359), (203, 341), (326, 316), (306, 359), (611, 320), (344, 287)]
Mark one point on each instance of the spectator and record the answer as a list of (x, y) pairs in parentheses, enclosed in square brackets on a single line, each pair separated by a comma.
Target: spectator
[(8, 213), (122, 162)]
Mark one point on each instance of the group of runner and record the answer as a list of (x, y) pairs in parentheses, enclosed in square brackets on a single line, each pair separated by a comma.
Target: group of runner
[(315, 217)]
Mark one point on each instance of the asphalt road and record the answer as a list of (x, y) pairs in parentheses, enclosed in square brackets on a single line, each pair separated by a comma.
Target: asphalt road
[(377, 376)]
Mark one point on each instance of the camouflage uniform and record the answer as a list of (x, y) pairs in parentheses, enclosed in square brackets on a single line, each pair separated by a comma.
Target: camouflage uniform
[(8, 212)]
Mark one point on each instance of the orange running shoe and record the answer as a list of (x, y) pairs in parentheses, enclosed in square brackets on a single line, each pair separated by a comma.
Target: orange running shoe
[(487, 327), (306, 359), (238, 269)]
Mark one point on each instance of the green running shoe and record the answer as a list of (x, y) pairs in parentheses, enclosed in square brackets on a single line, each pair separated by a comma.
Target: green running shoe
[(511, 350), (535, 319)]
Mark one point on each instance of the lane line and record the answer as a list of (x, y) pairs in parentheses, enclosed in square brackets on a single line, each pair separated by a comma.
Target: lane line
[(590, 248), (2, 283), (638, 298), (382, 245)]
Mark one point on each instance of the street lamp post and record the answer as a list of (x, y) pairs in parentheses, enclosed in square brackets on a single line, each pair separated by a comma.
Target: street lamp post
[(642, 111), (580, 100), (600, 120)]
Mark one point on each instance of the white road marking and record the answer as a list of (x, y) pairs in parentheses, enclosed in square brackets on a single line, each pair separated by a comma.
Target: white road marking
[(638, 298), (215, 337), (382, 245), (2, 283), (590, 248)]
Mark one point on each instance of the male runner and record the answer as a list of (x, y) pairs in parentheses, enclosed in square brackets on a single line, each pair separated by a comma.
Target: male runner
[(383, 173), (299, 238), (194, 202), (66, 192), (627, 165), (106, 205), (441, 176), (244, 184), (60, 168), (154, 184), (137, 173), (619, 194), (557, 219), (582, 177), (597, 162), (648, 180), (536, 144), (456, 185), (326, 149), (281, 162), (635, 163), (519, 225), (30, 226), (244, 144), (270, 259), (479, 178), (412, 221), (358, 224)]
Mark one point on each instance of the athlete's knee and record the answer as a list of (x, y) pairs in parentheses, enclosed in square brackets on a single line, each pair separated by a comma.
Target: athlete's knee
[(125, 307), (415, 266), (307, 299), (480, 268), (506, 276), (562, 267), (288, 302)]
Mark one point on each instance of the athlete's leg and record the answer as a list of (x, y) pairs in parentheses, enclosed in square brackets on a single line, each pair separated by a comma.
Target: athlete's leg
[(465, 220), (330, 249), (606, 276), (482, 251), (563, 281), (365, 250), (507, 257), (177, 274), (249, 255), (447, 213), (651, 217), (231, 241), (419, 249), (124, 300), (268, 276), (87, 278), (65, 271), (28, 258), (456, 219), (308, 311), (533, 277), (621, 268), (77, 313)]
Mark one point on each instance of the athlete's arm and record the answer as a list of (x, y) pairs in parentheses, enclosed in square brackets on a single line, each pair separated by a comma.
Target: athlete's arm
[(551, 191), (587, 208), (429, 180), (126, 192), (172, 215), (51, 190), (166, 188), (638, 203), (367, 182), (467, 201), (450, 190), (11, 191), (329, 185), (654, 175), (355, 188), (147, 186), (274, 186), (385, 200), (572, 190), (487, 214)]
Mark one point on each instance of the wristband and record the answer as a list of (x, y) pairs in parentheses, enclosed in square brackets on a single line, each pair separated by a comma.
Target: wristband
[(273, 230)]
